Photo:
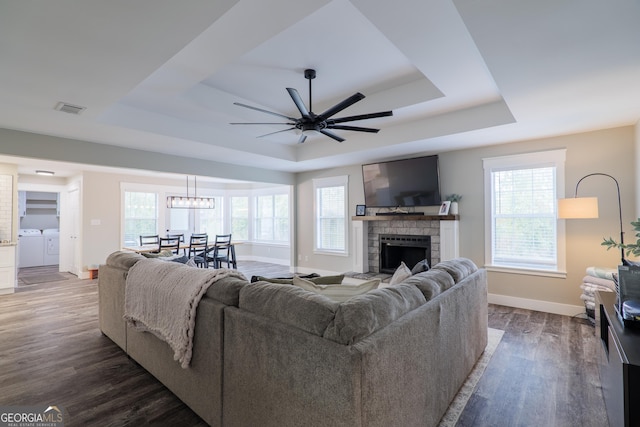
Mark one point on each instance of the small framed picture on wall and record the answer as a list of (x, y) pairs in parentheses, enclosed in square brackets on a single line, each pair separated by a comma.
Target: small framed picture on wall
[(444, 208), (360, 210)]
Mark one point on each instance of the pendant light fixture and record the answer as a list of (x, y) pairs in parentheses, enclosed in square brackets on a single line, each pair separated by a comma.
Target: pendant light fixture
[(191, 202)]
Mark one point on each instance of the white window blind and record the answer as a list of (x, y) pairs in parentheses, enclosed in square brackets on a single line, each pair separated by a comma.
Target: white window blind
[(522, 224), (272, 218), (331, 215), (140, 216), (211, 221), (240, 217)]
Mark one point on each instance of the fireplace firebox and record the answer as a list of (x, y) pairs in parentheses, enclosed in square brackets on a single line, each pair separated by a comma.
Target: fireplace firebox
[(397, 248)]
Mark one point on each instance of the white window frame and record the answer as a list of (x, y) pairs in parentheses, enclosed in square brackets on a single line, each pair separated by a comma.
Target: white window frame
[(318, 183), (554, 158)]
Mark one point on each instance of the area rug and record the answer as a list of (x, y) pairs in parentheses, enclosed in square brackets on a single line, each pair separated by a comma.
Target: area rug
[(450, 418), (42, 278)]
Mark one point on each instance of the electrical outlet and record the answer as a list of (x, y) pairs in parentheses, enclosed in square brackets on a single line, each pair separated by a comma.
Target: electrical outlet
[(306, 258)]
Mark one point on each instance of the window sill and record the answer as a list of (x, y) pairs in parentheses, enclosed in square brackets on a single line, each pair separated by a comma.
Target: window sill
[(527, 271), (333, 253)]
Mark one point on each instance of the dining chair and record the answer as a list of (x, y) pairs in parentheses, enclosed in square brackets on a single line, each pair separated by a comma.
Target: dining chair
[(169, 243), (198, 247), (180, 236), (149, 239), (223, 251)]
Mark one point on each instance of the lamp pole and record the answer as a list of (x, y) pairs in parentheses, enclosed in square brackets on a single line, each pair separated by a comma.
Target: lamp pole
[(623, 260)]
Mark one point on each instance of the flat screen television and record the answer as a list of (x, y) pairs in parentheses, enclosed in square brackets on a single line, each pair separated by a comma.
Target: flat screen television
[(407, 182)]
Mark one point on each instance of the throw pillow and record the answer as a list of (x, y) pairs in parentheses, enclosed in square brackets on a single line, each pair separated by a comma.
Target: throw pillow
[(400, 274), (420, 267), (339, 293)]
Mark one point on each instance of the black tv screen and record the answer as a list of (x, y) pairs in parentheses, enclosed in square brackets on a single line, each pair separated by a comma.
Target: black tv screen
[(408, 182)]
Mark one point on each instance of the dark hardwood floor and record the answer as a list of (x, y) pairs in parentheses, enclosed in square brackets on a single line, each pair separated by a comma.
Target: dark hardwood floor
[(543, 373)]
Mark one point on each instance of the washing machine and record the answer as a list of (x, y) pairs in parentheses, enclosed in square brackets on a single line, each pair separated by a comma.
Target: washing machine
[(51, 255), (30, 247)]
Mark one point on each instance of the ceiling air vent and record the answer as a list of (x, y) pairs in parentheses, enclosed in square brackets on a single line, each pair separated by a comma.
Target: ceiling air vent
[(70, 108)]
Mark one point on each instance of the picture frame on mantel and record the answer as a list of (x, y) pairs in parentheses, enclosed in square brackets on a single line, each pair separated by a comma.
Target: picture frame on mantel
[(360, 210), (444, 208)]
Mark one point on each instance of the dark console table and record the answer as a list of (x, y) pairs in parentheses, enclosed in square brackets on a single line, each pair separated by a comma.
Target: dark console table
[(619, 359)]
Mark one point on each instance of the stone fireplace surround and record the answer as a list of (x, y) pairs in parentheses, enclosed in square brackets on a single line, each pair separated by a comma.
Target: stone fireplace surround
[(366, 230)]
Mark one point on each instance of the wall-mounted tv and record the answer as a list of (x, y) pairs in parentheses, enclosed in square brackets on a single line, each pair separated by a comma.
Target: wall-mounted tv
[(407, 182)]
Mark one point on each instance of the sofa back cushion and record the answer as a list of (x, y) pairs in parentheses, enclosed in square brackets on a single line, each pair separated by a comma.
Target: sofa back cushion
[(431, 283), (458, 268), (290, 305), (226, 290), (123, 259), (362, 315)]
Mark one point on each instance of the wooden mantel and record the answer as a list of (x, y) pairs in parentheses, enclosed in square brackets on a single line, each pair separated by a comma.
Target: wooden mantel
[(406, 218)]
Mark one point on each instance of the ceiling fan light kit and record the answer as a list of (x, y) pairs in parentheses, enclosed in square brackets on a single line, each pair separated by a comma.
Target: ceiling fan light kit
[(322, 123)]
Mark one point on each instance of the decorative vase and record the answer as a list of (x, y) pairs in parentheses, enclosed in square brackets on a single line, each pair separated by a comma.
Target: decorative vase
[(453, 209)]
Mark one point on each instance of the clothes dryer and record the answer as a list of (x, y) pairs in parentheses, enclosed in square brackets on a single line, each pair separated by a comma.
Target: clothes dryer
[(30, 248), (51, 255)]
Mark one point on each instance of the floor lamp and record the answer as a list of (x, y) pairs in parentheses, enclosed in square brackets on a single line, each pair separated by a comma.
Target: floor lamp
[(587, 207)]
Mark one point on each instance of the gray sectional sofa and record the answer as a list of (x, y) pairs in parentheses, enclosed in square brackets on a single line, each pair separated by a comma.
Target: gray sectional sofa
[(277, 355)]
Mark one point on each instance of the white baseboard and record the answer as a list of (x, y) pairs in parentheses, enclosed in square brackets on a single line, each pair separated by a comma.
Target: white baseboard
[(278, 261), (536, 305)]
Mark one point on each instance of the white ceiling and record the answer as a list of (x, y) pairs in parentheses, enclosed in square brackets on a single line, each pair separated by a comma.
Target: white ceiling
[(162, 75)]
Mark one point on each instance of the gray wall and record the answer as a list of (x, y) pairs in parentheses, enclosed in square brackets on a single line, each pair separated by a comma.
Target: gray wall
[(609, 151)]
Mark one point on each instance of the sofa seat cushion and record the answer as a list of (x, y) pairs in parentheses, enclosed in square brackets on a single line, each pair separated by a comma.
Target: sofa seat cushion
[(362, 315), (290, 305), (336, 292), (318, 280), (458, 268)]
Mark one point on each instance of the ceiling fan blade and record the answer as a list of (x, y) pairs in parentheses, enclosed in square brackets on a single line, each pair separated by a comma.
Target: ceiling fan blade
[(342, 105), (356, 128), (361, 117), (264, 111), (255, 123), (298, 101), (278, 131), (331, 135), (302, 139)]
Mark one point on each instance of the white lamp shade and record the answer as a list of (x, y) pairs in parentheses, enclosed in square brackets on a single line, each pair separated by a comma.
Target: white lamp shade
[(578, 207)]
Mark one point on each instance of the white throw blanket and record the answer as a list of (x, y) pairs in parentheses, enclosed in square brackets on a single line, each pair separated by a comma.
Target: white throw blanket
[(162, 297)]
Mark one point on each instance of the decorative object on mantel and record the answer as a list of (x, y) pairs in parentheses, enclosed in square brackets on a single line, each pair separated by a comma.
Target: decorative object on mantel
[(191, 202), (360, 210), (454, 199), (444, 208)]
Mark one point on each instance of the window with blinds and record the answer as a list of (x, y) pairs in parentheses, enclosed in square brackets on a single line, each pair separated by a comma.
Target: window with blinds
[(522, 221), (331, 215), (239, 217), (272, 218), (140, 216)]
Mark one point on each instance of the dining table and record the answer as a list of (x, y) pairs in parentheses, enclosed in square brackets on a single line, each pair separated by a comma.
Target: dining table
[(154, 248)]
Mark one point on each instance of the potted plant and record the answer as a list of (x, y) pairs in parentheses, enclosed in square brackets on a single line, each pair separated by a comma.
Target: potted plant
[(454, 199), (629, 248), (628, 286)]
